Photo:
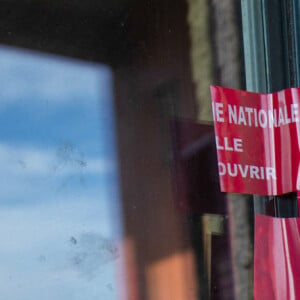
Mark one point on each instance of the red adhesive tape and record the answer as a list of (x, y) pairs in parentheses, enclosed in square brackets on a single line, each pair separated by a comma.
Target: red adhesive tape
[(276, 258)]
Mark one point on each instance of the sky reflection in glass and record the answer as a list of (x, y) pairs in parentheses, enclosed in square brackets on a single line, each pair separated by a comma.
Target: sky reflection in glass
[(59, 214)]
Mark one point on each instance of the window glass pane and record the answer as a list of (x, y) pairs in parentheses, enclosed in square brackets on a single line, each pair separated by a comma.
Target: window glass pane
[(59, 202), (109, 183)]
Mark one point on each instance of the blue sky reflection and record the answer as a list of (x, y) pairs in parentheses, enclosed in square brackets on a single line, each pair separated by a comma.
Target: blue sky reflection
[(59, 212)]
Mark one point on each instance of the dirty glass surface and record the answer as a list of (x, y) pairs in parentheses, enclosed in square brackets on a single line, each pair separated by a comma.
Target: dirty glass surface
[(59, 200), (109, 183)]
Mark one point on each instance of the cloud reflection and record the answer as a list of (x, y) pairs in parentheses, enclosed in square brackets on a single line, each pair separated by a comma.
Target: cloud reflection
[(59, 211)]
